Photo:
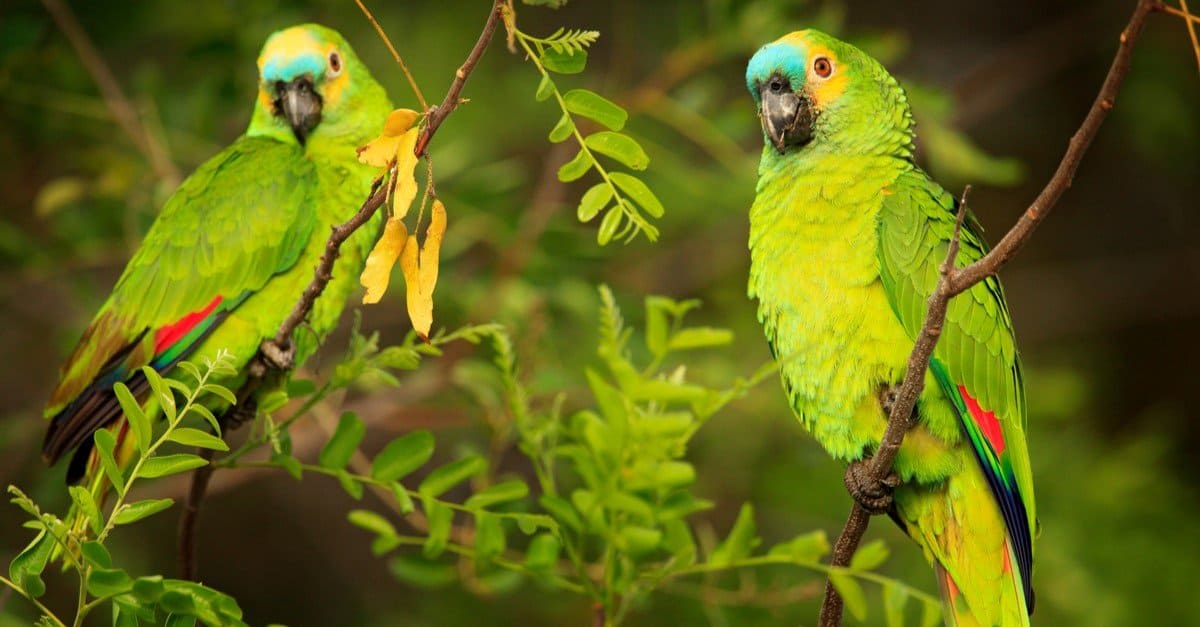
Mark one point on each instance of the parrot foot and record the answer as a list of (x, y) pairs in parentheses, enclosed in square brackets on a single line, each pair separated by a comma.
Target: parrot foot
[(240, 414), (874, 496), (277, 357), (888, 396)]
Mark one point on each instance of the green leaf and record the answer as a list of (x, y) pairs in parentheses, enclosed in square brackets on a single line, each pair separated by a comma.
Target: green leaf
[(345, 440), (207, 415), (421, 572), (107, 582), (667, 474), (562, 130), (638, 191), (83, 500), (562, 511), (542, 554), (26, 568), (593, 201), (489, 538), (637, 540), (575, 168), (148, 589), (440, 516), (608, 226), (869, 556), (163, 465), (591, 105), (95, 554), (188, 436), (220, 391), (136, 511), (700, 337), (545, 89), (398, 358), (679, 541), (656, 324), (619, 146), (852, 594), (350, 484), (741, 539), (272, 401), (564, 62), (297, 388), (806, 548), (499, 493), (139, 424), (452, 474), (166, 398), (894, 599), (105, 443), (402, 498), (365, 519), (402, 456), (289, 463)]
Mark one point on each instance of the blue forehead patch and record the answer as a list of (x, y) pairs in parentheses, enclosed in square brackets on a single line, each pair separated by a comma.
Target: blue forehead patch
[(287, 69), (779, 56)]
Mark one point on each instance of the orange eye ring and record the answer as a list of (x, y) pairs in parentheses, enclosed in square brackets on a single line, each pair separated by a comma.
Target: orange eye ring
[(822, 67)]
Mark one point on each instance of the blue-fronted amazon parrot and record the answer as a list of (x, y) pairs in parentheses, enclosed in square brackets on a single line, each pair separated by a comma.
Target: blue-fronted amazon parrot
[(846, 237), (234, 247)]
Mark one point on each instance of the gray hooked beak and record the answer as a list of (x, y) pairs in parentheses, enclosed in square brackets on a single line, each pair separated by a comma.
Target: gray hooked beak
[(787, 117), (300, 104)]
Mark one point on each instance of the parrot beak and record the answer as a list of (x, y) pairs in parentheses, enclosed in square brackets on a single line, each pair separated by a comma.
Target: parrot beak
[(300, 104), (787, 117)]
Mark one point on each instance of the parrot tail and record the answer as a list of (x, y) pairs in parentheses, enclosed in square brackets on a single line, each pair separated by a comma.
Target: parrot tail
[(959, 614)]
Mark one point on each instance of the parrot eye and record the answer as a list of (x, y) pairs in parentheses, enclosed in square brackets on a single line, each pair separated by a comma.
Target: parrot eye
[(822, 67), (335, 63)]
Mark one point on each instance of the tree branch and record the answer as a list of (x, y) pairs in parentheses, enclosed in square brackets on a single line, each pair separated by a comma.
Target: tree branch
[(266, 360), (952, 282)]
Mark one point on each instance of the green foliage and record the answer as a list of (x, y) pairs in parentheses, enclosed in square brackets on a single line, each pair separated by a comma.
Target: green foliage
[(624, 199), (80, 538), (609, 515)]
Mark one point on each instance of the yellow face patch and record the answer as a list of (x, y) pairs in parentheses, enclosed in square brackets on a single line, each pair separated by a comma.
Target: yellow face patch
[(822, 90)]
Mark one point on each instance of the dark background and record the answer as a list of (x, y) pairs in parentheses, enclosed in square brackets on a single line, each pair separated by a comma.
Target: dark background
[(1104, 297)]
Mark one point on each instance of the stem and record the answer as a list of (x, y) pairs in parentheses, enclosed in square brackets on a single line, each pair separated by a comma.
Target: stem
[(36, 603), (953, 282), (395, 55)]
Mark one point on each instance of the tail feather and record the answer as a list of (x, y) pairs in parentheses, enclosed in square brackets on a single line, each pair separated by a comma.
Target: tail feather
[(1012, 609)]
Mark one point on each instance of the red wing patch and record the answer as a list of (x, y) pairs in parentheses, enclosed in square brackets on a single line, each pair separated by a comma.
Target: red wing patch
[(166, 336), (986, 420)]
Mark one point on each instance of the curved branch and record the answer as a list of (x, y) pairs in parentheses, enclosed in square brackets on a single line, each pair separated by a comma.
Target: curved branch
[(953, 282)]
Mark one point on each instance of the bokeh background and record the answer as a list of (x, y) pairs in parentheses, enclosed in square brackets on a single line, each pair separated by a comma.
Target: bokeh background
[(1104, 298)]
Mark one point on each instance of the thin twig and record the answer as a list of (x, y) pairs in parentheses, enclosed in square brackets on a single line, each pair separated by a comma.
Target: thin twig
[(119, 105), (953, 282), (1191, 29), (1166, 8), (412, 82), (260, 366)]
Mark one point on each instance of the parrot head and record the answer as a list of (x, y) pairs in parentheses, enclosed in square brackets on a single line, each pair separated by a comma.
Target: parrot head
[(309, 78), (814, 91)]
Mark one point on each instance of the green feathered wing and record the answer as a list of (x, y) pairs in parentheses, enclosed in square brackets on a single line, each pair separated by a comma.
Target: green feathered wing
[(241, 219), (977, 368)]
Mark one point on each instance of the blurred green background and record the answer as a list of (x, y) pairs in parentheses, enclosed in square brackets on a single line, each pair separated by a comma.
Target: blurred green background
[(1104, 298)]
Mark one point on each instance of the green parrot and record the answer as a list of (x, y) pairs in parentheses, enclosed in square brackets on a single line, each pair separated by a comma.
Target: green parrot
[(846, 237), (236, 244)]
